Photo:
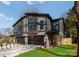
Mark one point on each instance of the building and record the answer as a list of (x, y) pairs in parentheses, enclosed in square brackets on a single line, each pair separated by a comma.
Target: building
[(32, 28), (35, 29)]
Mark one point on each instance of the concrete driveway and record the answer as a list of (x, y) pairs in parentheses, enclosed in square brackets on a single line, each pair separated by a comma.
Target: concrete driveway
[(11, 52)]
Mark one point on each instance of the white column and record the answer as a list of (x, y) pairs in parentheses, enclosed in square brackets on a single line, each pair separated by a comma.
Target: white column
[(26, 40)]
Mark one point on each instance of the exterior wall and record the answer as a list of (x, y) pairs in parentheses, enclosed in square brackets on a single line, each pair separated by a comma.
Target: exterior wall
[(42, 31), (18, 29), (22, 28), (25, 25), (61, 28), (39, 19), (18, 32), (58, 25), (48, 25)]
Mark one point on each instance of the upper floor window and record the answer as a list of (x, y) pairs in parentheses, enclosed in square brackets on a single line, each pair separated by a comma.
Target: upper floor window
[(42, 24), (55, 26), (32, 23)]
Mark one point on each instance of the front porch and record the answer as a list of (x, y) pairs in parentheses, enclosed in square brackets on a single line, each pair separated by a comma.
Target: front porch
[(48, 40)]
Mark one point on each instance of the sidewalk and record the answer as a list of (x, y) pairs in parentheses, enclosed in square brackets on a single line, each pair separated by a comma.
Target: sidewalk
[(10, 52)]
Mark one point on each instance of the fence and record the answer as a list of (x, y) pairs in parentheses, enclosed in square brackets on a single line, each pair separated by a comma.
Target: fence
[(67, 41)]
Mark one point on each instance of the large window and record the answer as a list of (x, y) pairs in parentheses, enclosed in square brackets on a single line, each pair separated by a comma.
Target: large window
[(32, 24)]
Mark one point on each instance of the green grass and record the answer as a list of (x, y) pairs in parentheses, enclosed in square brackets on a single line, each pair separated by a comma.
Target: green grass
[(62, 51)]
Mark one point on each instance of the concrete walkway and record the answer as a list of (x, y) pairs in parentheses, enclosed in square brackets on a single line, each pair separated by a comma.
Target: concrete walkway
[(10, 52)]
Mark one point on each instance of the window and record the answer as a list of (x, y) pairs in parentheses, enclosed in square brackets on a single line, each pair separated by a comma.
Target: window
[(55, 26), (32, 23), (42, 24)]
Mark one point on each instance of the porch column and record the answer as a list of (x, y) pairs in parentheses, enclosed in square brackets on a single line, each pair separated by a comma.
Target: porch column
[(46, 41), (14, 39), (26, 40)]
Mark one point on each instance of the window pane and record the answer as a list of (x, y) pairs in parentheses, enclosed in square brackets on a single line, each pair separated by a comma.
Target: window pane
[(41, 24)]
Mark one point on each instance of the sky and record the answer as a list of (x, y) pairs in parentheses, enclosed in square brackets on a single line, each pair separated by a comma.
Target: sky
[(11, 11)]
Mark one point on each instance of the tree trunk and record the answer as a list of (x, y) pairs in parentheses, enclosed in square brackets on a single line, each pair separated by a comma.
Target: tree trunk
[(78, 38), (76, 9)]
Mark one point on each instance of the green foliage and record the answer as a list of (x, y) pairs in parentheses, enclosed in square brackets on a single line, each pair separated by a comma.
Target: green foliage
[(1, 44), (70, 24), (7, 40)]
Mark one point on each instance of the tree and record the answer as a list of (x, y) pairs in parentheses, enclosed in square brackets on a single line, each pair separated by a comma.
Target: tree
[(7, 40), (70, 25), (1, 43), (76, 10), (1, 35), (7, 31)]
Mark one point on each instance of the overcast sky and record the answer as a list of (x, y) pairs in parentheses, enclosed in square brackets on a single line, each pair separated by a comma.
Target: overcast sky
[(10, 12)]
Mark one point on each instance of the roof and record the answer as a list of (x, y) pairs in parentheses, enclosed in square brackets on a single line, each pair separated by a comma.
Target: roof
[(55, 20), (34, 14), (19, 20)]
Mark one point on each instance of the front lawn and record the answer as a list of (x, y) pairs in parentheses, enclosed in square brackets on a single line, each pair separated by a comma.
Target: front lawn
[(63, 50)]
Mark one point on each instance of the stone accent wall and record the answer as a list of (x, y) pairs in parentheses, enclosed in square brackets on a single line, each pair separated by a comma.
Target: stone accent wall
[(46, 41)]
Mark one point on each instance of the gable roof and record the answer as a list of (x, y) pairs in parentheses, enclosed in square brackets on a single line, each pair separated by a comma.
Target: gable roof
[(34, 14), (55, 20)]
